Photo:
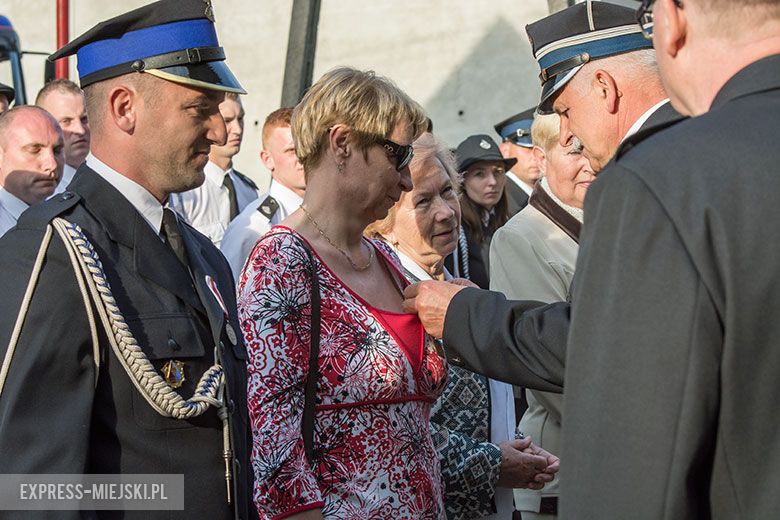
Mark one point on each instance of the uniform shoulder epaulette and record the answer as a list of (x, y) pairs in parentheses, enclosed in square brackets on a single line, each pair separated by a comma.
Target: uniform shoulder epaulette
[(246, 180), (39, 215), (268, 207)]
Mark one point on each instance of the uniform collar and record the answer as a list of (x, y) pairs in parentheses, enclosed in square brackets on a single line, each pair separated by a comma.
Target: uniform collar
[(643, 119), (143, 201), (68, 172), (287, 198), (215, 174), (759, 76), (14, 205), (512, 176)]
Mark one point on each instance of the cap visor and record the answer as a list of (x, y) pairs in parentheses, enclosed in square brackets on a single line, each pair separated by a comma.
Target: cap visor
[(551, 88), (211, 75)]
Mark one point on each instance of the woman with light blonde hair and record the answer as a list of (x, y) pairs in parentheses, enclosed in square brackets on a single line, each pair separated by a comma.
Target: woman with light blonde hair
[(341, 380)]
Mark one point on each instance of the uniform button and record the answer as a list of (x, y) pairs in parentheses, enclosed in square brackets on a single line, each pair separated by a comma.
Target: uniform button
[(231, 406), (66, 195), (173, 345), (236, 466), (231, 334)]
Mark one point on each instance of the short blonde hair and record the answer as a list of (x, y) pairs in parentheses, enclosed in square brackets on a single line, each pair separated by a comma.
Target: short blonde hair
[(426, 148), (372, 106), (545, 131)]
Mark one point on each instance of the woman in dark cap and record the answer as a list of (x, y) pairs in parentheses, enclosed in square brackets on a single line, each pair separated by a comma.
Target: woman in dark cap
[(483, 204)]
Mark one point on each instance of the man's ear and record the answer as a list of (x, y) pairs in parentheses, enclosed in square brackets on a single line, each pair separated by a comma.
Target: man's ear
[(504, 149), (607, 90), (123, 105), (675, 28), (267, 160), (541, 159)]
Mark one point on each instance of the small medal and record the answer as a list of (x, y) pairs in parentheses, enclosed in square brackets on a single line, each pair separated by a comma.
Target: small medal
[(173, 371)]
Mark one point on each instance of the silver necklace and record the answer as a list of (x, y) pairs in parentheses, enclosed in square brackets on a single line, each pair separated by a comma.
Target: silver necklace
[(346, 255)]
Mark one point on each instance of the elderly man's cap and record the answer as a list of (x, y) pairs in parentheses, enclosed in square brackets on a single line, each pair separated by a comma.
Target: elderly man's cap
[(7, 91), (480, 147), (517, 129), (171, 39), (564, 41)]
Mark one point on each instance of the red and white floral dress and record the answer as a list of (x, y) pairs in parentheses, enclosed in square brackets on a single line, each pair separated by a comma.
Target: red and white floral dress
[(379, 373)]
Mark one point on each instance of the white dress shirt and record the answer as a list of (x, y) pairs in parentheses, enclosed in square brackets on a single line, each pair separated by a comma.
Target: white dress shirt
[(502, 409), (242, 234), (68, 172), (523, 186), (10, 209), (207, 207), (643, 119), (143, 201)]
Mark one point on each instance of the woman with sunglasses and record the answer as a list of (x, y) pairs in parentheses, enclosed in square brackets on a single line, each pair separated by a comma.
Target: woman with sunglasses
[(377, 373)]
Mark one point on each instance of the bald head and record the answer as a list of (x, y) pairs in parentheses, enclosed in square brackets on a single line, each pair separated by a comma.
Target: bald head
[(31, 153)]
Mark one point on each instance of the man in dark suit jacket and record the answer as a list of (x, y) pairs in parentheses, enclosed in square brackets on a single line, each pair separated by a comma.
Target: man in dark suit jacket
[(72, 401), (481, 321)]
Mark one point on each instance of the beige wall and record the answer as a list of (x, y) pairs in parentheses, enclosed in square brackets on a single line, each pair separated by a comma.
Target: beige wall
[(467, 62)]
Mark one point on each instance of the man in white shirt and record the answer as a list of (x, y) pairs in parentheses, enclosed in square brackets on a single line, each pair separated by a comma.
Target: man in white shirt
[(283, 197), (31, 159), (210, 207), (64, 100), (516, 143)]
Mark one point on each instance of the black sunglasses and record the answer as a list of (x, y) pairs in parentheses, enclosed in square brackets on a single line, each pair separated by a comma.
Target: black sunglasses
[(644, 16), (403, 153)]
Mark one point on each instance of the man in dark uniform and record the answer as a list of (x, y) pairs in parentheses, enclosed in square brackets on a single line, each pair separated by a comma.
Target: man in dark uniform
[(73, 399), (598, 52), (515, 133)]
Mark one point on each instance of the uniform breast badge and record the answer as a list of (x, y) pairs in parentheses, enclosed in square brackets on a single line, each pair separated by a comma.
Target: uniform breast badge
[(173, 372)]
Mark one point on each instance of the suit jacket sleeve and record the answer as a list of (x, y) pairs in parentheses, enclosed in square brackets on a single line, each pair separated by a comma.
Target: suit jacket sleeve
[(644, 359), (519, 342), (46, 402)]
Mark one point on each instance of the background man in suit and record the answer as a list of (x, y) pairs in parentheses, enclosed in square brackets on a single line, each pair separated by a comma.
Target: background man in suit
[(283, 197), (7, 95), (64, 100), (31, 159), (515, 133), (74, 399), (210, 207), (583, 37), (676, 297)]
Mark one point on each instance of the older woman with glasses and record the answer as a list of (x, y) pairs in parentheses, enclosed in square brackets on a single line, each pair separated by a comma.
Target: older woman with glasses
[(473, 422), (533, 258), (341, 380)]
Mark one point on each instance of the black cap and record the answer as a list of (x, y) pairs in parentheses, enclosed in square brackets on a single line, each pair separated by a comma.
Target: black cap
[(564, 41), (7, 91), (171, 39), (517, 129), (477, 148)]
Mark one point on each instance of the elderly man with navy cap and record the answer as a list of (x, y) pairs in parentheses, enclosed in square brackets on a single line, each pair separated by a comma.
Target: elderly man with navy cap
[(515, 133), (126, 356)]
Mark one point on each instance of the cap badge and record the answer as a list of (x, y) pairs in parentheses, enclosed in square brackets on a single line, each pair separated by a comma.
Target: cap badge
[(484, 145), (209, 11)]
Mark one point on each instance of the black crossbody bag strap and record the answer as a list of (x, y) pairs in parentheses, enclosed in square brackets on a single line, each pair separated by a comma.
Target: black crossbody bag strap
[(312, 374)]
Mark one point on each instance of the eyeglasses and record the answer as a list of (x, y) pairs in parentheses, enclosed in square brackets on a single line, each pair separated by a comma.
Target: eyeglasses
[(644, 16), (403, 153)]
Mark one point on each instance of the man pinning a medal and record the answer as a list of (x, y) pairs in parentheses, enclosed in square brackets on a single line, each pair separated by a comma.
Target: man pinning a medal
[(118, 329)]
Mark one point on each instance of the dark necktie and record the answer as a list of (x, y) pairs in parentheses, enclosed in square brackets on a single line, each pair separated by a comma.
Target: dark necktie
[(172, 234), (228, 183)]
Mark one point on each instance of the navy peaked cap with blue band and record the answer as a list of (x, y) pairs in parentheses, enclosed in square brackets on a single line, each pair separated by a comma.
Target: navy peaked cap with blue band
[(565, 41), (517, 129), (172, 39)]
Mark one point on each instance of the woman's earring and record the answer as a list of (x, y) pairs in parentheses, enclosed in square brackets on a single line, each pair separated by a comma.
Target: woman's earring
[(340, 167)]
